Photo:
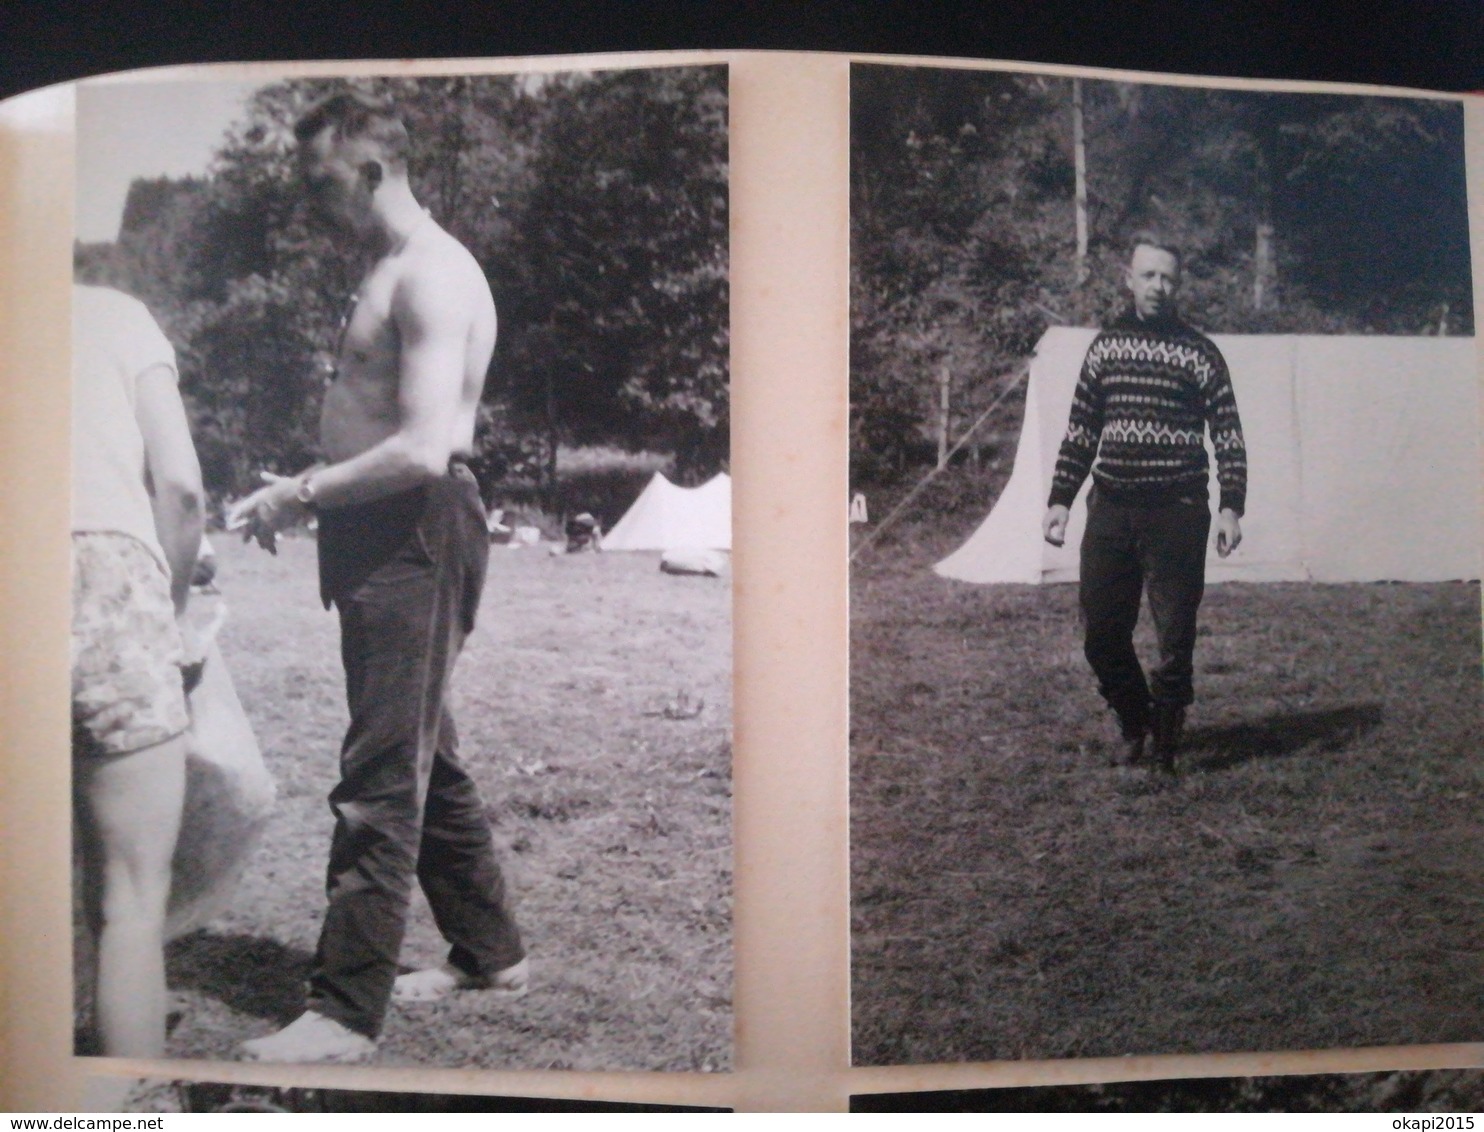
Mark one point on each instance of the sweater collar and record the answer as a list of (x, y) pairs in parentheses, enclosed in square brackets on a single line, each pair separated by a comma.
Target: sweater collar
[(1164, 324)]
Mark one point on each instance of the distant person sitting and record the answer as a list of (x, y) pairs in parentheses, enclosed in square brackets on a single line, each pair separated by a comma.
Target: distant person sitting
[(584, 532), (499, 530), (136, 531)]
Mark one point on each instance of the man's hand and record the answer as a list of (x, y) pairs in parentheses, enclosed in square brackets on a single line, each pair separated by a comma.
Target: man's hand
[(1054, 525), (1228, 532), (267, 511)]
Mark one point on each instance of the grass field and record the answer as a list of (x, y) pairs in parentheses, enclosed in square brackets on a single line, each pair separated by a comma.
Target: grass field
[(1310, 880), (612, 815)]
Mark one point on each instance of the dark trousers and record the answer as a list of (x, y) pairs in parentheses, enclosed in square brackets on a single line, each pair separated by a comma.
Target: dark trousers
[(406, 575), (1128, 548)]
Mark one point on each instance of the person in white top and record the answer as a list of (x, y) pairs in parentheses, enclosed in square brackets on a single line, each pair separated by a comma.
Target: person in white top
[(136, 527)]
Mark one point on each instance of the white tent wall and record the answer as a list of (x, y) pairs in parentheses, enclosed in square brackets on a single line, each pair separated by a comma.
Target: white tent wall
[(668, 517), (1405, 506), (1363, 463)]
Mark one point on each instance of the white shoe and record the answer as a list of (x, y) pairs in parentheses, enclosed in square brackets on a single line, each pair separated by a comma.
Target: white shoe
[(308, 1038), (439, 982)]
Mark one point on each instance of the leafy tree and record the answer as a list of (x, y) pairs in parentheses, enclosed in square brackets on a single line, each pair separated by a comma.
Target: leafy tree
[(595, 203), (1298, 213), (620, 314)]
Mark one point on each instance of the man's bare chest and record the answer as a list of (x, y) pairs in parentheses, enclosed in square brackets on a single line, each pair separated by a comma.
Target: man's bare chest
[(369, 342)]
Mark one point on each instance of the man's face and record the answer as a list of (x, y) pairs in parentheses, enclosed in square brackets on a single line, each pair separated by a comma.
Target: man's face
[(333, 179), (1153, 275)]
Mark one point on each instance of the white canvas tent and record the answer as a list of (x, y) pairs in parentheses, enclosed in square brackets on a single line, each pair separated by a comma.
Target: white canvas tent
[(667, 517), (1363, 463)]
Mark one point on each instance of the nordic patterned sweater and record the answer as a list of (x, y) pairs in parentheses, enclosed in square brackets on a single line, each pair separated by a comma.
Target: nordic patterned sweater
[(1147, 391)]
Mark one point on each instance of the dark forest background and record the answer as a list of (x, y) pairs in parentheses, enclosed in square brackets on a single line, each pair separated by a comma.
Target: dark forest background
[(1297, 213), (597, 205)]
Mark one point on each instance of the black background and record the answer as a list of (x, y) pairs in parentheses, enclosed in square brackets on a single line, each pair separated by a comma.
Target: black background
[(1436, 44)]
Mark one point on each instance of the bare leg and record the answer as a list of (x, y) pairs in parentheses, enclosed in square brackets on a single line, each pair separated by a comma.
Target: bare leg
[(134, 805)]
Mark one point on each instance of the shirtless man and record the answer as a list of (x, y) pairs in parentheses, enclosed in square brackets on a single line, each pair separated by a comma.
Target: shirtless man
[(402, 554)]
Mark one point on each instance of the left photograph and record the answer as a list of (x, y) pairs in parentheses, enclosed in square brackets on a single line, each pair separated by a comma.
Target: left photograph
[(402, 614)]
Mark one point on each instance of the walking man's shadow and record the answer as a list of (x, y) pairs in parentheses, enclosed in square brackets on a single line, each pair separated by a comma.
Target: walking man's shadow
[(1278, 736)]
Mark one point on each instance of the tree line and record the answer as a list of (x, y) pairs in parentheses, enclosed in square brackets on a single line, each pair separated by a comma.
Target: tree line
[(987, 206), (595, 202)]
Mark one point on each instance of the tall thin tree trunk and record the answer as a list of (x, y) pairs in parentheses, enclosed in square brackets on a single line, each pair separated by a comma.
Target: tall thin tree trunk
[(551, 445), (1079, 160), (943, 391), (1264, 270), (1264, 260)]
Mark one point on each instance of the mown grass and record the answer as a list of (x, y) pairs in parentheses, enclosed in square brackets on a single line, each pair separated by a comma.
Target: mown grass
[(1308, 881), (613, 819)]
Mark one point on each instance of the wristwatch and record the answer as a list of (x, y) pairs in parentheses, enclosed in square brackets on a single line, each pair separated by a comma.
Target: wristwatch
[(304, 493)]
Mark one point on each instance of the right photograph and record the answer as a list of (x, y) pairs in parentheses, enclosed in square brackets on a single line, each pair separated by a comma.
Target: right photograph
[(1165, 558)]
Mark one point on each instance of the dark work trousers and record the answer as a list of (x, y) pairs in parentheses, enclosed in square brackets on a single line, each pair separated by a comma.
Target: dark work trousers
[(406, 575), (1126, 549)]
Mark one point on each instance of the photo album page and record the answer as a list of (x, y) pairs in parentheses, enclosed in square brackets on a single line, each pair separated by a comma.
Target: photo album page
[(740, 581)]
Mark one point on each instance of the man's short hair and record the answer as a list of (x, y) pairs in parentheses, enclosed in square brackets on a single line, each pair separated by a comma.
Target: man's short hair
[(352, 116), (1148, 239)]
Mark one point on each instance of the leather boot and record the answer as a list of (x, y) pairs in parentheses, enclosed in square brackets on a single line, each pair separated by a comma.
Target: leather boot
[(1130, 749), (1169, 724), (1133, 730)]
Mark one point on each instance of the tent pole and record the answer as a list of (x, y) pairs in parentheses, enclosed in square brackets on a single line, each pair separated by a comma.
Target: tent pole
[(932, 475)]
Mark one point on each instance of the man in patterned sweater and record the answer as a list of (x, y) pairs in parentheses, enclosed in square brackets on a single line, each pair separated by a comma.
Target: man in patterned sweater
[(1150, 386)]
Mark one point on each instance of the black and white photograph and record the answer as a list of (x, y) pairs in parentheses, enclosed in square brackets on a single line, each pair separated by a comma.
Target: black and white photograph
[(1165, 550), (402, 631)]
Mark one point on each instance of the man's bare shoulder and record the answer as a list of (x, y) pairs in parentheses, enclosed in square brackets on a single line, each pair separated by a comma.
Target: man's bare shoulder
[(437, 268)]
